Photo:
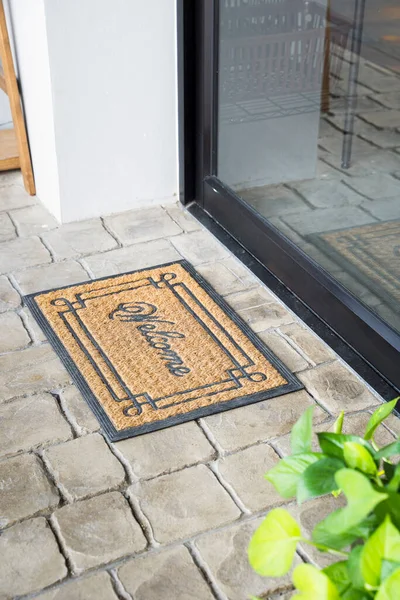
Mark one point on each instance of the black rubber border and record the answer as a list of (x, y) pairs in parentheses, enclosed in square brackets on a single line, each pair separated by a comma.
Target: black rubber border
[(112, 433)]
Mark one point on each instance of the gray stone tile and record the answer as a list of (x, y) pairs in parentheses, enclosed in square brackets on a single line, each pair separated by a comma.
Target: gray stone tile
[(7, 229), (308, 342), (384, 209), (199, 247), (257, 296), (13, 177), (142, 225), (31, 422), (182, 217), (326, 172), (374, 162), (51, 276), (262, 421), (237, 268), (22, 253), (388, 99), (225, 553), (379, 82), (156, 453), (328, 219), (78, 411), (84, 467), (337, 106), (334, 145), (337, 388), (184, 503), (245, 470), (170, 575), (221, 278), (33, 220), (25, 489), (83, 237), (283, 350), (98, 531), (389, 119), (379, 137), (31, 559), (97, 587), (274, 201), (327, 193), (14, 196), (376, 186), (266, 316), (33, 328), (28, 371), (13, 333), (9, 298), (138, 256)]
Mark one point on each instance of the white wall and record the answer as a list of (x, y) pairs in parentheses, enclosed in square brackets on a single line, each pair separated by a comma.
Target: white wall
[(28, 32), (113, 83)]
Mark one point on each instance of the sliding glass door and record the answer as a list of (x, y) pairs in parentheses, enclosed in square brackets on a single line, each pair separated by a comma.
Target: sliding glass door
[(299, 154)]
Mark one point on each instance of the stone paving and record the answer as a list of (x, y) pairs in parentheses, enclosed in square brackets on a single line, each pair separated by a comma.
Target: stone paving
[(165, 515), (337, 199)]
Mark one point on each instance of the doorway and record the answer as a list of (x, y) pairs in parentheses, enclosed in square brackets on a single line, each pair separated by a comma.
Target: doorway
[(298, 153)]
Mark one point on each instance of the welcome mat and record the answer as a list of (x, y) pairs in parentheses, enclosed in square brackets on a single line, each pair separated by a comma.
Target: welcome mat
[(371, 253), (156, 347)]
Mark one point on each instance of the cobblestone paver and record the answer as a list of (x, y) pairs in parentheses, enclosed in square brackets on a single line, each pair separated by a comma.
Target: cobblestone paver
[(164, 515)]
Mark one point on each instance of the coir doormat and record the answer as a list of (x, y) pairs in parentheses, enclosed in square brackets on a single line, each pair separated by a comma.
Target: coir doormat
[(156, 347), (371, 253)]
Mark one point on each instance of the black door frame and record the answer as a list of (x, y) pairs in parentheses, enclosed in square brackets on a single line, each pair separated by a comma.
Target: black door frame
[(376, 342)]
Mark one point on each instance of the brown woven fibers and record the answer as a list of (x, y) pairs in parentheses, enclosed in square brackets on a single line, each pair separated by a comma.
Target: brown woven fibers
[(154, 344)]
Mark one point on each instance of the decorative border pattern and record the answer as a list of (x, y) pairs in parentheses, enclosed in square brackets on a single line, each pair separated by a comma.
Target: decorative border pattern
[(232, 379)]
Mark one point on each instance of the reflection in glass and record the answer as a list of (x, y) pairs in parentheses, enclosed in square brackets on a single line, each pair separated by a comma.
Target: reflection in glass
[(300, 99)]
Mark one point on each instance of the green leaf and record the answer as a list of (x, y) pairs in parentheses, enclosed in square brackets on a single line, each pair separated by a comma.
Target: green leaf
[(378, 416), (358, 457), (389, 450), (390, 589), (323, 534), (340, 526), (384, 544), (391, 507), (395, 480), (354, 567), (273, 545), (301, 435), (332, 443), (338, 425), (389, 470), (319, 479), (353, 594), (388, 567), (313, 584), (339, 574), (286, 474)]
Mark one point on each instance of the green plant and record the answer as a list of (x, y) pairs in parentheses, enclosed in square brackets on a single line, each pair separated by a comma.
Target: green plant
[(364, 535)]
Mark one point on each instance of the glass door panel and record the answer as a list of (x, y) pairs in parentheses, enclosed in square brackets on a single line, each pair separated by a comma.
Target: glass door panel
[(308, 123)]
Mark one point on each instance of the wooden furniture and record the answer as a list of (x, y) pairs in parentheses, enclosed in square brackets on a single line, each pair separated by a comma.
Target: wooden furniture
[(14, 148)]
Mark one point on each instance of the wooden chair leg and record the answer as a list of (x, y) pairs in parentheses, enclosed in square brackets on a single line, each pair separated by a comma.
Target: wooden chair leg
[(9, 81)]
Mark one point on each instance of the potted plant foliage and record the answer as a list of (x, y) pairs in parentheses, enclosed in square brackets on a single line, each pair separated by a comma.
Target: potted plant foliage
[(363, 536)]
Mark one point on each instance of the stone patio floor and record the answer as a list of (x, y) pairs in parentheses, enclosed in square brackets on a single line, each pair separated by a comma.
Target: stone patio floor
[(165, 515)]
